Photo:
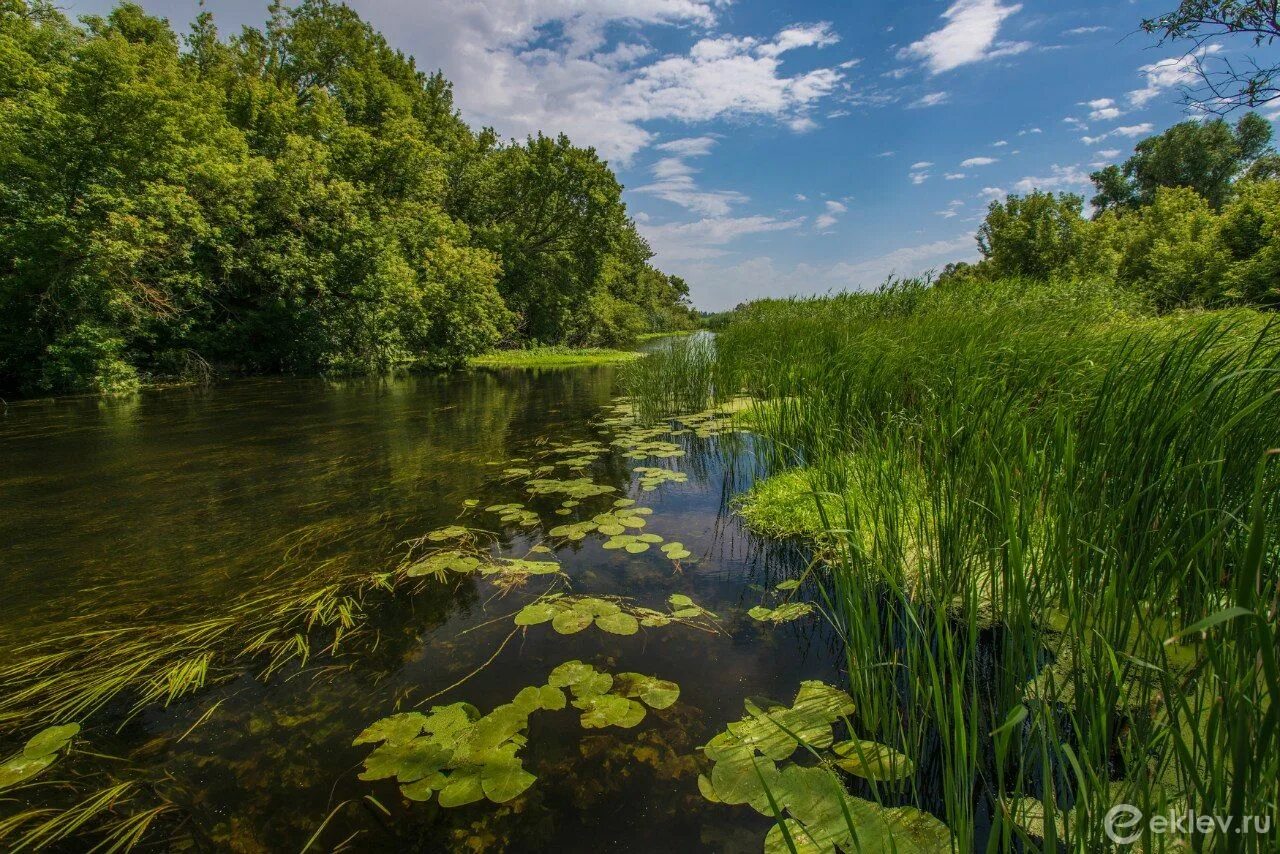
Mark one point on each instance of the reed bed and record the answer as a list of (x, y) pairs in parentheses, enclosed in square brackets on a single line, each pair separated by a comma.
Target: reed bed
[(1049, 518)]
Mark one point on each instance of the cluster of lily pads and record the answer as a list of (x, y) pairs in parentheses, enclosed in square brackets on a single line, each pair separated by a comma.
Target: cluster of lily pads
[(651, 478), (40, 751), (461, 756), (611, 523), (813, 812), (784, 612), (514, 513), (569, 615), (505, 571), (576, 489)]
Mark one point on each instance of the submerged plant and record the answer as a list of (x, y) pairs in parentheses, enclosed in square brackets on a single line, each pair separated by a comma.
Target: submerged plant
[(38, 754)]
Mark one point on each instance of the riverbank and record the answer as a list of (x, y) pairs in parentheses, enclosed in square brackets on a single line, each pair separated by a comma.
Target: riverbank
[(1046, 512), (554, 357)]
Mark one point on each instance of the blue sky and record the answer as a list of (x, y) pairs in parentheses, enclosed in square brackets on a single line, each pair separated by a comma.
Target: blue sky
[(773, 148)]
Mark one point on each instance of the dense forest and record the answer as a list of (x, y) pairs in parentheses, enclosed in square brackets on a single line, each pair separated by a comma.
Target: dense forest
[(1190, 220), (299, 197)]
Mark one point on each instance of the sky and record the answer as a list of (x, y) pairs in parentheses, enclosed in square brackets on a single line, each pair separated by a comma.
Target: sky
[(772, 148)]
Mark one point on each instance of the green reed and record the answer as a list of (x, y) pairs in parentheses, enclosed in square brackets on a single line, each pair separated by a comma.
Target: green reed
[(1050, 519)]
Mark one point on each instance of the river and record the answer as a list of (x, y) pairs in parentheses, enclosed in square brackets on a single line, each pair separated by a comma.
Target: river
[(177, 506)]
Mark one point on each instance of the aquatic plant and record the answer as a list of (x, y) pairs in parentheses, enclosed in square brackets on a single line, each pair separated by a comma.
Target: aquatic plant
[(652, 478), (461, 756), (1049, 524), (812, 809), (571, 614), (37, 754)]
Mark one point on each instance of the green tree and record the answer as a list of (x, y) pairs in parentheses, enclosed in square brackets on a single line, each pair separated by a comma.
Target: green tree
[(1037, 235), (1203, 156), (1172, 252), (1249, 231)]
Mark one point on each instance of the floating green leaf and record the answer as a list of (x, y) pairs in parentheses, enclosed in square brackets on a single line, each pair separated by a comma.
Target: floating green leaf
[(654, 692), (872, 760), (50, 740), (618, 624), (784, 613), (20, 768), (451, 532)]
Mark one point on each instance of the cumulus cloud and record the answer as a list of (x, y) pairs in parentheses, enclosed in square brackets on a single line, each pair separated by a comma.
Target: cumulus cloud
[(956, 176), (1029, 131), (918, 178), (1135, 130), (978, 161), (1170, 73), (528, 65), (1102, 110), (923, 164), (1059, 178), (968, 35)]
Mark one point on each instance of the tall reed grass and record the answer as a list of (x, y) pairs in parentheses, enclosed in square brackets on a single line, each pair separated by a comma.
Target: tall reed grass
[(1050, 520)]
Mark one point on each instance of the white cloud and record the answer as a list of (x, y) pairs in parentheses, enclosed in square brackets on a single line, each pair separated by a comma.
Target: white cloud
[(1135, 130), (918, 178), (886, 154), (524, 66), (956, 176), (803, 35), (825, 221), (1109, 153), (705, 238), (1094, 140), (836, 207), (1102, 110), (1059, 178), (932, 99), (923, 164), (1072, 121), (1084, 31), (693, 146), (969, 35), (991, 193), (674, 181), (1169, 74), (1000, 143), (1029, 130), (801, 197), (946, 214), (978, 161)]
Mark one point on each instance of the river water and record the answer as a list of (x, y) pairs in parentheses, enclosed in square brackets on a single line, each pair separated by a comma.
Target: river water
[(174, 506)]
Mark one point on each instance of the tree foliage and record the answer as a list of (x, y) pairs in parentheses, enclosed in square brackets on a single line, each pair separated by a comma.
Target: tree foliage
[(298, 197), (1206, 157), (1193, 219)]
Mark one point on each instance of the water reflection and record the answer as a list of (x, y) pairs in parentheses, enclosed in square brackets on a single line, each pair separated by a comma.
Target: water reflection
[(187, 500)]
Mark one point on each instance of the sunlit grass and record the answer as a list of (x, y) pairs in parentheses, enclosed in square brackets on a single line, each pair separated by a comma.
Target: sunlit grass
[(1049, 518), (553, 357)]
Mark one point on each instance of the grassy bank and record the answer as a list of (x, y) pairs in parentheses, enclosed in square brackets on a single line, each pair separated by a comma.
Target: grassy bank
[(553, 357), (1053, 558)]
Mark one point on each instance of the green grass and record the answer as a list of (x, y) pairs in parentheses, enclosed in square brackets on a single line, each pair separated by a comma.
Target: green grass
[(651, 336), (553, 357), (1050, 518)]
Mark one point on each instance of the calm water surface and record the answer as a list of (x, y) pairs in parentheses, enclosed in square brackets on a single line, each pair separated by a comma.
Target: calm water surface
[(175, 505)]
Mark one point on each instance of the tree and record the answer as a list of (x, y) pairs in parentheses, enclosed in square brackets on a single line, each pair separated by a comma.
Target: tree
[(1249, 231), (1037, 235), (1203, 156), (1172, 252), (1225, 87)]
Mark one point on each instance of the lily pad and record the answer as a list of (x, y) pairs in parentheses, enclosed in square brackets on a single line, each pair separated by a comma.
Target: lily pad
[(463, 787), (872, 760), (570, 621), (656, 693), (618, 624), (535, 613), (395, 730), (20, 768), (50, 740), (504, 781)]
